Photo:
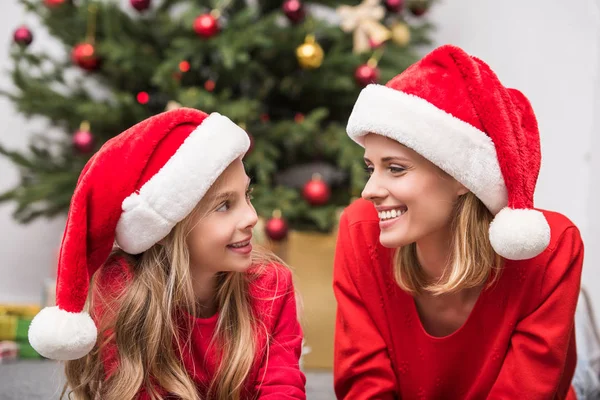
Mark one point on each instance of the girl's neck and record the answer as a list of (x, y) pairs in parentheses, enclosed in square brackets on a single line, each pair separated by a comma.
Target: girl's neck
[(205, 292)]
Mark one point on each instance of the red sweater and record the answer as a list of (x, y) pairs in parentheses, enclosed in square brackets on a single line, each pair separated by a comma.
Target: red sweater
[(276, 374), (518, 342)]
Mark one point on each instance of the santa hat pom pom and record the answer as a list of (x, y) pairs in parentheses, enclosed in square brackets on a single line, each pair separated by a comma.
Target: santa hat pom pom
[(62, 335), (519, 234)]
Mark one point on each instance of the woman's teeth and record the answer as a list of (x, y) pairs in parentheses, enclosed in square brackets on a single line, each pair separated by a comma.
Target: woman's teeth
[(385, 215), (238, 245)]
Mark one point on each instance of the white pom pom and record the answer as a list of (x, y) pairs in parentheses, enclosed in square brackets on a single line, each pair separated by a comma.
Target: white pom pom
[(518, 234), (62, 335)]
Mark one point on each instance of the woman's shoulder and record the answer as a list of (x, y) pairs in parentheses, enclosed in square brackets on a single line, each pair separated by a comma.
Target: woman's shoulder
[(565, 238), (562, 255)]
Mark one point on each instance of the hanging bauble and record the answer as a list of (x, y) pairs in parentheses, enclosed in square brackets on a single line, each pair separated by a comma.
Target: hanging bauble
[(140, 5), (276, 227), (23, 36), (85, 56), (316, 191), (366, 74), (418, 7), (393, 6), (83, 139), (206, 26), (294, 10), (310, 54)]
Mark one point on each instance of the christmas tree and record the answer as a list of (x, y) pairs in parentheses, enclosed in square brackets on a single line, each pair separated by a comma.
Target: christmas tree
[(288, 72)]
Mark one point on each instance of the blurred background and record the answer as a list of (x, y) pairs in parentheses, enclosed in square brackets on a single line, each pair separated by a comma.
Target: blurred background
[(75, 73)]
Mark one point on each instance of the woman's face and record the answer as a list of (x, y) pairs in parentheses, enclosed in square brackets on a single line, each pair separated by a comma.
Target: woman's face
[(414, 198)]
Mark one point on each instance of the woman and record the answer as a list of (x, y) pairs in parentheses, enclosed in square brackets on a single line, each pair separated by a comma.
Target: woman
[(450, 285)]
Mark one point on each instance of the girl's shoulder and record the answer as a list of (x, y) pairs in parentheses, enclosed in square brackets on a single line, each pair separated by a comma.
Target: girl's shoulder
[(116, 271), (271, 278)]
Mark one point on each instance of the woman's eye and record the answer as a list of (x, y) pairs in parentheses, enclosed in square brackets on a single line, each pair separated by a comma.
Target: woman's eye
[(368, 170), (396, 170), (249, 193)]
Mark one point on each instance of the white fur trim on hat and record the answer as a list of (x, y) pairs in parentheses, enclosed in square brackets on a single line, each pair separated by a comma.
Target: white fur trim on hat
[(62, 335), (173, 192), (458, 148), (518, 234)]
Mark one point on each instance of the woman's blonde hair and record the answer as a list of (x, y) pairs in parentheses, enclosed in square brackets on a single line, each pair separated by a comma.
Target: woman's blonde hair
[(472, 258), (142, 320)]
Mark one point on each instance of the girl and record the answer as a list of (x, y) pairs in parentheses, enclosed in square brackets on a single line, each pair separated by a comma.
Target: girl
[(450, 285), (184, 307)]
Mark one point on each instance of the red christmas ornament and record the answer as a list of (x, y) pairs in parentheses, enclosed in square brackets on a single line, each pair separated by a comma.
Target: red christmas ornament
[(366, 74), (83, 140), (184, 66), (84, 55), (316, 192), (276, 228), (209, 85), (54, 3), (140, 5), (418, 7), (294, 10), (394, 6), (23, 36), (206, 26)]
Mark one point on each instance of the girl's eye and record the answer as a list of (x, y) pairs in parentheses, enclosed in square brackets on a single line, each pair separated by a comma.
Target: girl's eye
[(249, 193), (223, 207), (368, 170)]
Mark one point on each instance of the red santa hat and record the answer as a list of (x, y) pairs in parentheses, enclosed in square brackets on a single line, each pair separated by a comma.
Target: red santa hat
[(451, 108), (134, 190)]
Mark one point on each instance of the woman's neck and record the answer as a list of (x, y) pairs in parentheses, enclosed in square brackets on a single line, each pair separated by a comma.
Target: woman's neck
[(433, 253)]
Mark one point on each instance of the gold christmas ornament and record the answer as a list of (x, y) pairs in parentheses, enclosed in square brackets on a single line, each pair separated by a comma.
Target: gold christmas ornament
[(401, 34), (310, 53), (172, 105), (363, 20)]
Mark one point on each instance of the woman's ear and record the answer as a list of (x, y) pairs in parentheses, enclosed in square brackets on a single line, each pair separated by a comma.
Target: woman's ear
[(461, 189)]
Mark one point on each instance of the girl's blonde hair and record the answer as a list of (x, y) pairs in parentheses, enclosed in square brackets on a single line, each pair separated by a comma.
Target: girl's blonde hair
[(142, 320), (472, 258)]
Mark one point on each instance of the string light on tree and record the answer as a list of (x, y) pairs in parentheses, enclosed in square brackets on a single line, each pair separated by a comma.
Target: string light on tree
[(310, 54), (83, 139), (294, 11), (316, 191), (23, 36), (54, 3), (276, 227)]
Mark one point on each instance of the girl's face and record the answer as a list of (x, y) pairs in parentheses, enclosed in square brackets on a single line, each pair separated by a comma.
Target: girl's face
[(220, 236), (414, 198)]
